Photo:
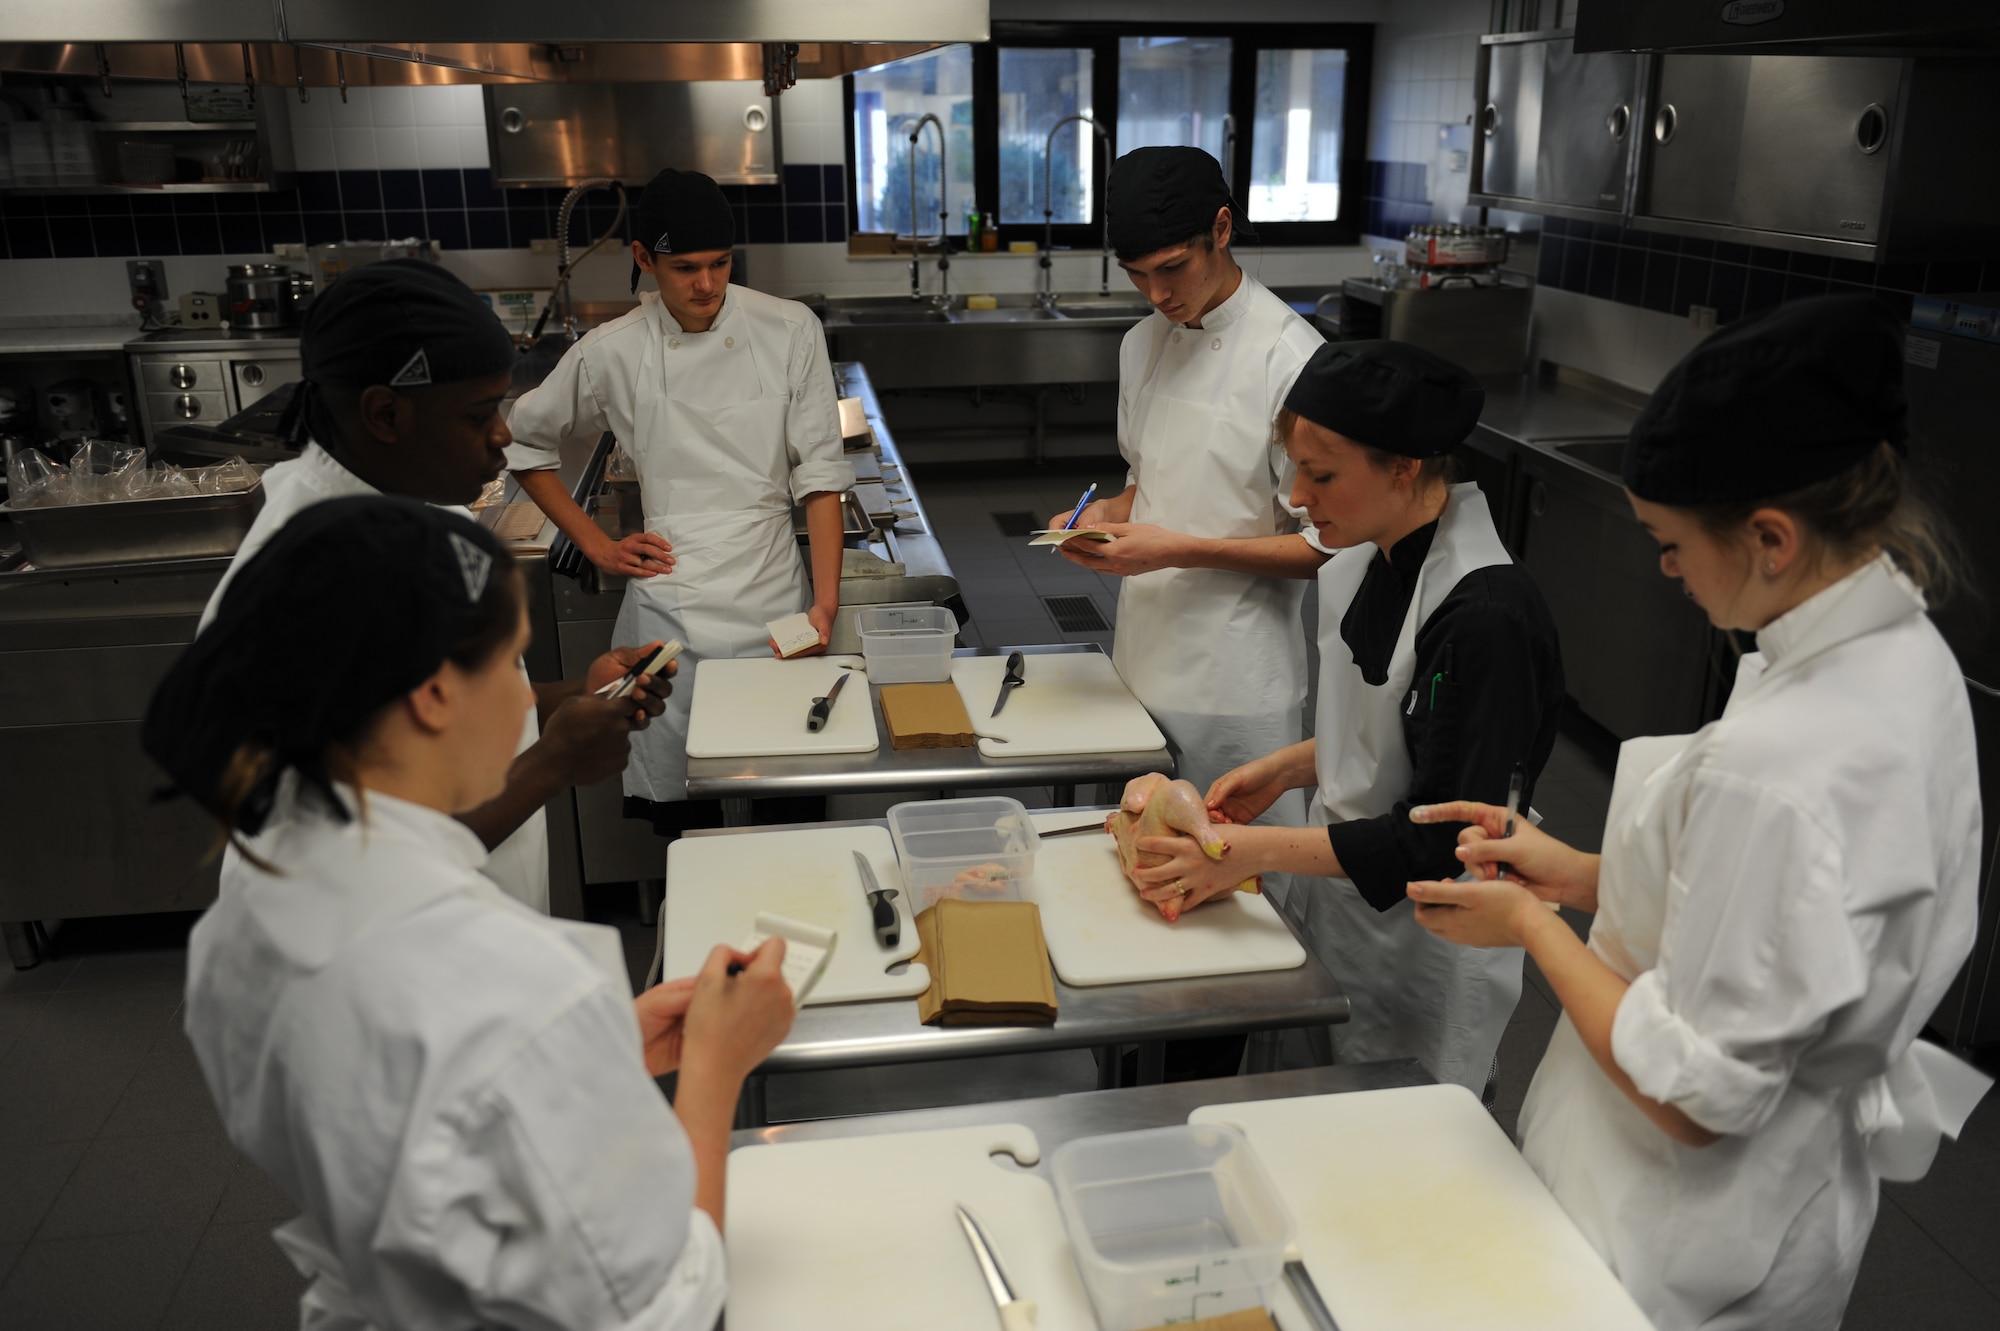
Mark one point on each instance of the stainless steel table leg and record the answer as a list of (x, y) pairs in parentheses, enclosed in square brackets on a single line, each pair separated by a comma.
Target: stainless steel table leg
[(22, 948), (1152, 1062), (750, 1110), (652, 891), (736, 813), (1262, 1055), (1107, 1065)]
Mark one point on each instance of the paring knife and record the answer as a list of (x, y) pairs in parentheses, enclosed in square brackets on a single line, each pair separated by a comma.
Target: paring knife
[(883, 902), (1015, 1314), (816, 714), (1014, 680)]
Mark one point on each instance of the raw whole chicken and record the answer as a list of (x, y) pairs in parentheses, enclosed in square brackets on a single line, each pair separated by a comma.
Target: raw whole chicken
[(1164, 808)]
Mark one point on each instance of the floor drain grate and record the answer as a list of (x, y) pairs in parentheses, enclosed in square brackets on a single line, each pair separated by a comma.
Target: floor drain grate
[(1017, 524), (1075, 614)]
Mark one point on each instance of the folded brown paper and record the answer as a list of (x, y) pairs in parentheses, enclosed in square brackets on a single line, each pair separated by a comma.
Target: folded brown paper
[(926, 716), (989, 965), (1250, 1319)]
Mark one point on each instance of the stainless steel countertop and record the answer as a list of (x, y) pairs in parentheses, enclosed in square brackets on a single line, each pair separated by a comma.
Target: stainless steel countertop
[(1057, 1119), (1528, 411), (171, 341), (59, 339), (889, 768), (846, 1035)]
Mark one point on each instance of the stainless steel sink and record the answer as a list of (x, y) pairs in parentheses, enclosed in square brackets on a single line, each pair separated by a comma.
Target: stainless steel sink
[(1005, 315), (1605, 455), (894, 317), (1104, 309)]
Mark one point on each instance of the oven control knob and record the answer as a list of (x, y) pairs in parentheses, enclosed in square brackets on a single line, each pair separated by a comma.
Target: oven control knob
[(187, 406), (182, 376)]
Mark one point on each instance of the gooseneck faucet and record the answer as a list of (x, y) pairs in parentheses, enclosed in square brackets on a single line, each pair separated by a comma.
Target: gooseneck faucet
[(1047, 296), (944, 215)]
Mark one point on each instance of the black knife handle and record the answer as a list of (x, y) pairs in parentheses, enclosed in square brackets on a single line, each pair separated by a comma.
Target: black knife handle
[(886, 931)]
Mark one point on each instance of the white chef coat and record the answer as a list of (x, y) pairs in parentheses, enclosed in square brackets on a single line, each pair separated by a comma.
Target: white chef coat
[(726, 427), (449, 1085), (520, 864), (1218, 658), (1789, 892)]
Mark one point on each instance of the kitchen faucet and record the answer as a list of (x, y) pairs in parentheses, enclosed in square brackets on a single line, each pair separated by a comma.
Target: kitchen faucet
[(943, 300), (1046, 298)]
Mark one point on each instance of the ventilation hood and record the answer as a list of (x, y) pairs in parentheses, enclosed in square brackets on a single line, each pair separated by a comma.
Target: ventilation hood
[(1790, 27), (325, 43)]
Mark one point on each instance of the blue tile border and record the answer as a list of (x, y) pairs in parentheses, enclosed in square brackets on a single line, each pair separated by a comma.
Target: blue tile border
[(458, 209)]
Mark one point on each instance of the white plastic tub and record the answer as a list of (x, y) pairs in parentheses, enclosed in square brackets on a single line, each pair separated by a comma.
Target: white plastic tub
[(976, 849), (907, 644), (1171, 1224)]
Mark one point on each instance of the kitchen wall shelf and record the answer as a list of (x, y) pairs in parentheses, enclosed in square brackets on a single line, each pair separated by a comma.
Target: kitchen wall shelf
[(174, 126), (178, 187)]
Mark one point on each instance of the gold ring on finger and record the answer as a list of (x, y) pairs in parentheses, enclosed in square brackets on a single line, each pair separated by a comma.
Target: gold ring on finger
[(1180, 887)]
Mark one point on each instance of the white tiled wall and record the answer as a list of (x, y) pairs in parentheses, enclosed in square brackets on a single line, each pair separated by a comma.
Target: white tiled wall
[(810, 119), (390, 129), (1424, 56)]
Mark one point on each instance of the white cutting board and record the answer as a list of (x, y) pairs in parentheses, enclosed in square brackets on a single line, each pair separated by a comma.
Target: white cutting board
[(1100, 931), (859, 1234), (1072, 702), (717, 884), (756, 708), (1416, 1213)]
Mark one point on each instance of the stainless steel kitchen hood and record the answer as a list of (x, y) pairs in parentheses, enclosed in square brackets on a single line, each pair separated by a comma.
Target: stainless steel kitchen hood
[(323, 43), (1790, 27)]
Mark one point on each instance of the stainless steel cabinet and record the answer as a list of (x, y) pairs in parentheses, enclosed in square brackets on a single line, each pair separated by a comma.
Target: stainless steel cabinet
[(1850, 156), (563, 133), (1636, 652), (1555, 127)]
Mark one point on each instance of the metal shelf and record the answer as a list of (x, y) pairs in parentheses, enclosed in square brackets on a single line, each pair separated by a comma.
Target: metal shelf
[(177, 187), (174, 126)]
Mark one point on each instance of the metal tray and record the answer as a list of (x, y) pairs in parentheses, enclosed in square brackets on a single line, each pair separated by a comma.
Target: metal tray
[(136, 531)]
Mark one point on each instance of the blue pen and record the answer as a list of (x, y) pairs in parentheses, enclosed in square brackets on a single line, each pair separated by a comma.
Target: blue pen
[(1080, 504)]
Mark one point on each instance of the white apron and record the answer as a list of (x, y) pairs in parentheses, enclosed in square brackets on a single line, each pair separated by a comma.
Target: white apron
[(1413, 994), (704, 429), (1748, 1233), (1218, 658)]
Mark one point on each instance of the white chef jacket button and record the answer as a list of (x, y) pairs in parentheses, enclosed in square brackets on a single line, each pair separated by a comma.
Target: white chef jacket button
[(673, 344), (1216, 345), (728, 341), (1177, 337)]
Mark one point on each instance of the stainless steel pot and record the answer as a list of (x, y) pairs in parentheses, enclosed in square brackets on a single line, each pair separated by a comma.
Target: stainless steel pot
[(261, 296)]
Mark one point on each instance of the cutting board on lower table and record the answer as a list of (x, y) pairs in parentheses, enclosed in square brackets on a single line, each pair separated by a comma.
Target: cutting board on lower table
[(717, 884), (859, 1234), (756, 708), (1100, 931), (1072, 702), (1416, 1213)]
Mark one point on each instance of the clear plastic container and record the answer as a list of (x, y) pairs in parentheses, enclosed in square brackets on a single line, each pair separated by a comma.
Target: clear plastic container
[(1171, 1224), (975, 849), (907, 644)]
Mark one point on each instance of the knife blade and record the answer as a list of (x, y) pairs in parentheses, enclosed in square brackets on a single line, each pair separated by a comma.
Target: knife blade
[(1307, 1293), (887, 931), (1016, 1314), (1014, 679), (817, 713)]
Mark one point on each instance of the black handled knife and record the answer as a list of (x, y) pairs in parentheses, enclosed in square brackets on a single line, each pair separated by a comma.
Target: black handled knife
[(817, 713), (887, 932), (1015, 678)]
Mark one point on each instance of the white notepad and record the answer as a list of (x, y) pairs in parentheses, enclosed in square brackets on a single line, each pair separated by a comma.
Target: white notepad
[(807, 948), (1057, 535), (793, 634)]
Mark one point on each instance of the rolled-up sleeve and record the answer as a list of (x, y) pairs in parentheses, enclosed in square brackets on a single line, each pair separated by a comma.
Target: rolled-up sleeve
[(1757, 953), (562, 405), (812, 425)]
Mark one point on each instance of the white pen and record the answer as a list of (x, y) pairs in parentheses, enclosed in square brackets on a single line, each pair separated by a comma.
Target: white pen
[(1514, 784)]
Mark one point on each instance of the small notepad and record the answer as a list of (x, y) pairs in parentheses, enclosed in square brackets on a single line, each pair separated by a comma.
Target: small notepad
[(807, 948), (1056, 535), (793, 634)]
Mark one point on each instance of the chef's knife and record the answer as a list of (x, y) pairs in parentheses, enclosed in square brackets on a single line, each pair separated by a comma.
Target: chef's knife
[(1014, 680), (1307, 1293), (883, 902), (1015, 1314), (816, 714)]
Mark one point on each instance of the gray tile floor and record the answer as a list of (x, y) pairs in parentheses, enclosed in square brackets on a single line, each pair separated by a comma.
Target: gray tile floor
[(123, 1206)]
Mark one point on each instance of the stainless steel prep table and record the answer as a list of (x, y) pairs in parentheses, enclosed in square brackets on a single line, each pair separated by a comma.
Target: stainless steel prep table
[(1100, 1017), (736, 781)]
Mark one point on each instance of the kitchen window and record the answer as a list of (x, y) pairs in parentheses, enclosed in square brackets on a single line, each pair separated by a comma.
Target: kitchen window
[(1283, 108), (890, 101)]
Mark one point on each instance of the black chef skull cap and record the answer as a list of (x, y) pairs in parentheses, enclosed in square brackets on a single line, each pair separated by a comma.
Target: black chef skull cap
[(1158, 197), (351, 605), (405, 323), (1772, 404), (1390, 396), (682, 212)]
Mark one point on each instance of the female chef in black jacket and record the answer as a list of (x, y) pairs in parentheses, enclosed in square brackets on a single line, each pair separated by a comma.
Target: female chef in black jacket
[(1439, 673)]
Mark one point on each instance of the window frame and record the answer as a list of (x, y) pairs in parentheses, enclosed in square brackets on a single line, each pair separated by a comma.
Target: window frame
[(1247, 41)]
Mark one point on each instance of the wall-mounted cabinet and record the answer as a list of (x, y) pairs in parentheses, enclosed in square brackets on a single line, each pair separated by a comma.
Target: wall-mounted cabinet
[(563, 133), (1555, 129)]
